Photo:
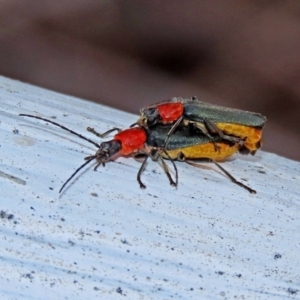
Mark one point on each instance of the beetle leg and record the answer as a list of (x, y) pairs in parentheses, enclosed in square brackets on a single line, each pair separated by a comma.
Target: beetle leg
[(209, 129), (102, 135), (183, 158), (175, 125), (217, 147), (232, 178), (215, 130), (99, 164), (175, 168), (155, 155), (139, 174), (203, 128)]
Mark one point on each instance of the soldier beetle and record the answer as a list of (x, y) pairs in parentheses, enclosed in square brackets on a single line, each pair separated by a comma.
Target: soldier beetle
[(128, 142), (183, 145), (233, 125)]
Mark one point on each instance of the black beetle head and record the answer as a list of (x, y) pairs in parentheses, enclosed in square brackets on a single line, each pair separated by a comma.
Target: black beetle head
[(107, 150)]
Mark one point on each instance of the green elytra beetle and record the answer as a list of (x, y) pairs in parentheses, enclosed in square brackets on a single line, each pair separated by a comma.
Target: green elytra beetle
[(234, 125)]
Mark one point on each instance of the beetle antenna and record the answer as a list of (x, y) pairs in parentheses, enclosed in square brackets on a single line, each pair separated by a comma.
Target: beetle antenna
[(77, 170), (63, 127)]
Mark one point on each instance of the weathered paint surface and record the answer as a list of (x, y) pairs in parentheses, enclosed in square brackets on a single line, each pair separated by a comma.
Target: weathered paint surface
[(104, 237)]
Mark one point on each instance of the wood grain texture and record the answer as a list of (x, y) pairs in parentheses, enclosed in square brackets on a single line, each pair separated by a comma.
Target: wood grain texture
[(106, 238)]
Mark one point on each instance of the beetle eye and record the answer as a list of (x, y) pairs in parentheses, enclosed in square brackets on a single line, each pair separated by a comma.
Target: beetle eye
[(152, 116)]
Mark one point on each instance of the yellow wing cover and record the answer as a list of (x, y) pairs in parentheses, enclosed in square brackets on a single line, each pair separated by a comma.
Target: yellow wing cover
[(204, 151), (252, 135)]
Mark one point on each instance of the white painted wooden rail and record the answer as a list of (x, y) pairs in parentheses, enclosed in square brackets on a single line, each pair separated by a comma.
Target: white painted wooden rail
[(105, 238)]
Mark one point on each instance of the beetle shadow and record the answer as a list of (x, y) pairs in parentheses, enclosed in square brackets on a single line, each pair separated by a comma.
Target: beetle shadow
[(201, 164), (75, 179), (250, 158)]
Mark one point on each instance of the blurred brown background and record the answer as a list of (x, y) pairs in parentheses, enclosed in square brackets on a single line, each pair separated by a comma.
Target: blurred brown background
[(127, 54)]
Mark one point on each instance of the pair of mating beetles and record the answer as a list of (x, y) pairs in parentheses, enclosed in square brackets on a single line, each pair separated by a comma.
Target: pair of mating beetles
[(179, 129)]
